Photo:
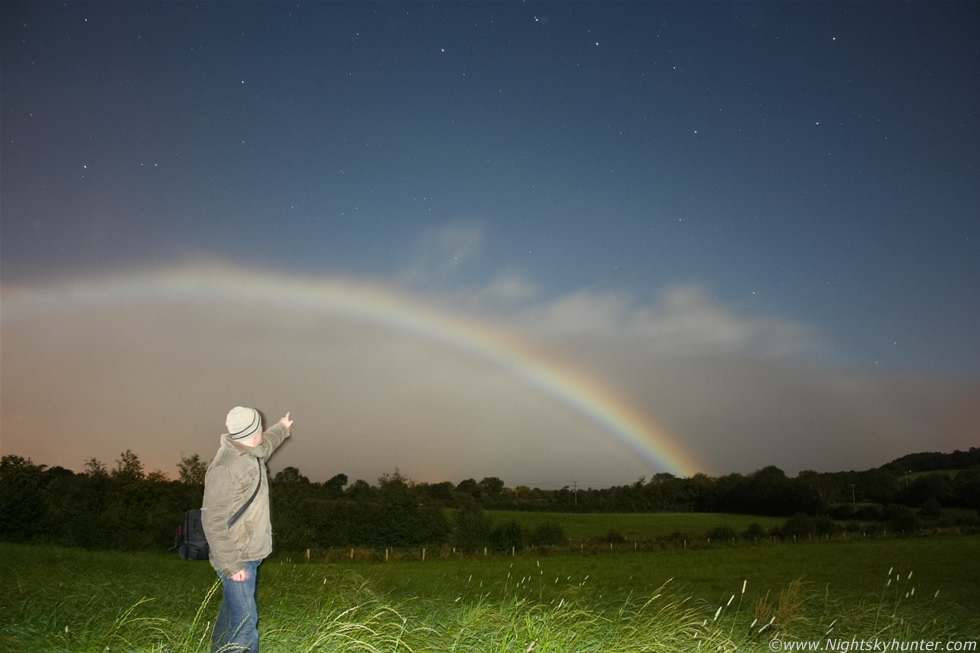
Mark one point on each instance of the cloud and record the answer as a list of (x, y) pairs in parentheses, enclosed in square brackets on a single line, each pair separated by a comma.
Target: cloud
[(152, 362), (510, 287), (683, 321), (441, 252)]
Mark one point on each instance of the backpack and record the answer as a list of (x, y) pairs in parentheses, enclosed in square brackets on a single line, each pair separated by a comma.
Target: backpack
[(191, 542)]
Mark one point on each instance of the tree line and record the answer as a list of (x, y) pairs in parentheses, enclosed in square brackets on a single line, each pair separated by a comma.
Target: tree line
[(125, 507)]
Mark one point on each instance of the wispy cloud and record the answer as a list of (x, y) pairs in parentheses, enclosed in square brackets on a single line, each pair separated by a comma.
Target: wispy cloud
[(683, 320), (441, 252)]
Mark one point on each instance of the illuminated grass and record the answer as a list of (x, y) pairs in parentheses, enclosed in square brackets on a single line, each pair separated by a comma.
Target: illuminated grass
[(70, 600)]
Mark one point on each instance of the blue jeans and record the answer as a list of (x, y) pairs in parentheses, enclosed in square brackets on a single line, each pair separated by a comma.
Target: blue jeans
[(237, 627)]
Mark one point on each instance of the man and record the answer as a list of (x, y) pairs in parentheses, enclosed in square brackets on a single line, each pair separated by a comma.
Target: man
[(237, 475)]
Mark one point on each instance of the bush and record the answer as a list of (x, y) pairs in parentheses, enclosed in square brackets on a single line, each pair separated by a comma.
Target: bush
[(801, 525), (546, 534), (844, 512), (473, 528), (615, 537), (869, 513), (901, 518), (506, 537), (676, 538), (931, 509), (754, 532), (721, 534)]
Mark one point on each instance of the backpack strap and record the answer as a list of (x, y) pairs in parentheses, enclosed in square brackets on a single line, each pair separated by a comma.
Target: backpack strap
[(241, 511)]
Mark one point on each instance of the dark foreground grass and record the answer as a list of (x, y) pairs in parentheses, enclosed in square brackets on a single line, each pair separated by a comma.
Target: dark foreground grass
[(718, 599)]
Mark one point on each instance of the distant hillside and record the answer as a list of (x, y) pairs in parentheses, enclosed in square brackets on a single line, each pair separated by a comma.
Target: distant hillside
[(934, 461)]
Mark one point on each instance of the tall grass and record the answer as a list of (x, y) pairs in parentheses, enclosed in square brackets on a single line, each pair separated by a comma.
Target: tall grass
[(68, 600)]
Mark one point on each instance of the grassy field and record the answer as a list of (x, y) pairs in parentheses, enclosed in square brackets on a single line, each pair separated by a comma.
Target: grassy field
[(734, 598), (952, 473), (851, 571), (580, 527)]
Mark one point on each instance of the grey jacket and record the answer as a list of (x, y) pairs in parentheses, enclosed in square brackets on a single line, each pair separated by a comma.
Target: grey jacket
[(230, 481)]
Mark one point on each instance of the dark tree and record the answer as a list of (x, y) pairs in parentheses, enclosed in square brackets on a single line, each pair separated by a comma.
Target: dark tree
[(192, 470), (128, 467), (473, 527), (22, 506)]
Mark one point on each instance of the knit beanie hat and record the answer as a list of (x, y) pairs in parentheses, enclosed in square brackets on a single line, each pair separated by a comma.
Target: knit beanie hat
[(243, 422)]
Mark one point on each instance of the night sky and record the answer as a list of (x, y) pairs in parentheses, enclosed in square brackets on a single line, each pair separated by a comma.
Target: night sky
[(463, 239)]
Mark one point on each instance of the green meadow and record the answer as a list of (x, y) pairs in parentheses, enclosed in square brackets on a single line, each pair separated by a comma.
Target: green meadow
[(725, 598), (582, 527)]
